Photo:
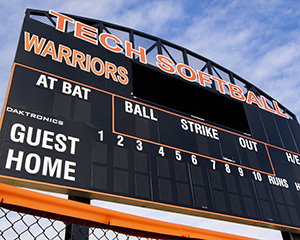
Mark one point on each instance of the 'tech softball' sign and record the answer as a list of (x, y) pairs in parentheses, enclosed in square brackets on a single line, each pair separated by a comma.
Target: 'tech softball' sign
[(107, 112)]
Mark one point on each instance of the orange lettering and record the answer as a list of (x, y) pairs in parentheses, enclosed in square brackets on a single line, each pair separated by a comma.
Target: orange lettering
[(93, 66), (182, 73), (78, 57), (49, 49), (64, 52), (165, 64), (103, 38), (266, 105), (123, 78), (88, 63), (204, 77), (221, 84), (236, 92), (129, 51), (251, 98), (34, 41), (86, 32), (61, 20), (110, 69), (278, 110)]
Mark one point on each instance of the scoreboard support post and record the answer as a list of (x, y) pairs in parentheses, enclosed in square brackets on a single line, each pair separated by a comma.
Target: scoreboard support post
[(74, 231), (290, 236)]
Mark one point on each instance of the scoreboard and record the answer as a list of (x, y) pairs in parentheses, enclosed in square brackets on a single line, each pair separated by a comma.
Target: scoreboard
[(102, 111)]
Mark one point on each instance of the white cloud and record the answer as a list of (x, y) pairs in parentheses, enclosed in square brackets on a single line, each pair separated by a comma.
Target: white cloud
[(104, 9), (255, 39), (148, 16), (214, 225), (152, 16)]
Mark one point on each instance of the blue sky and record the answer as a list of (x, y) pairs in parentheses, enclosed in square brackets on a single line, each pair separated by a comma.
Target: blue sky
[(258, 40)]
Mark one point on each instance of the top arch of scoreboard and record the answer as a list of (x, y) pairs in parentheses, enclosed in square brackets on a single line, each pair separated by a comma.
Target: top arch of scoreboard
[(178, 55)]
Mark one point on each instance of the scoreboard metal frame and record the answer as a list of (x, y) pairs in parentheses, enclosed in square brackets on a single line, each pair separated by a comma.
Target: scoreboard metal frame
[(106, 112)]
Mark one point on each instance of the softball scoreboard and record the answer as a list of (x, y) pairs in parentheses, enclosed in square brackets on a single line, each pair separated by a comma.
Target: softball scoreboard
[(106, 112)]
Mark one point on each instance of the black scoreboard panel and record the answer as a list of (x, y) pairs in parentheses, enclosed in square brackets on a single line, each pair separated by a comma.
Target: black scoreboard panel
[(146, 142), (193, 100)]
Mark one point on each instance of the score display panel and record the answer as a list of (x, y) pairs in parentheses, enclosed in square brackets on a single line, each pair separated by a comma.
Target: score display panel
[(67, 129)]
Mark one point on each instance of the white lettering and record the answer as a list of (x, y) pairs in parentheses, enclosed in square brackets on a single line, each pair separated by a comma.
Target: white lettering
[(43, 138), (43, 81), (35, 116), (141, 111), (28, 163), (37, 137), (45, 166), (17, 137), (10, 158), (292, 158), (128, 107), (199, 129), (56, 167), (47, 139), (81, 92), (68, 170), (60, 146), (66, 87), (73, 140), (249, 144), (183, 124), (297, 185), (277, 181)]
